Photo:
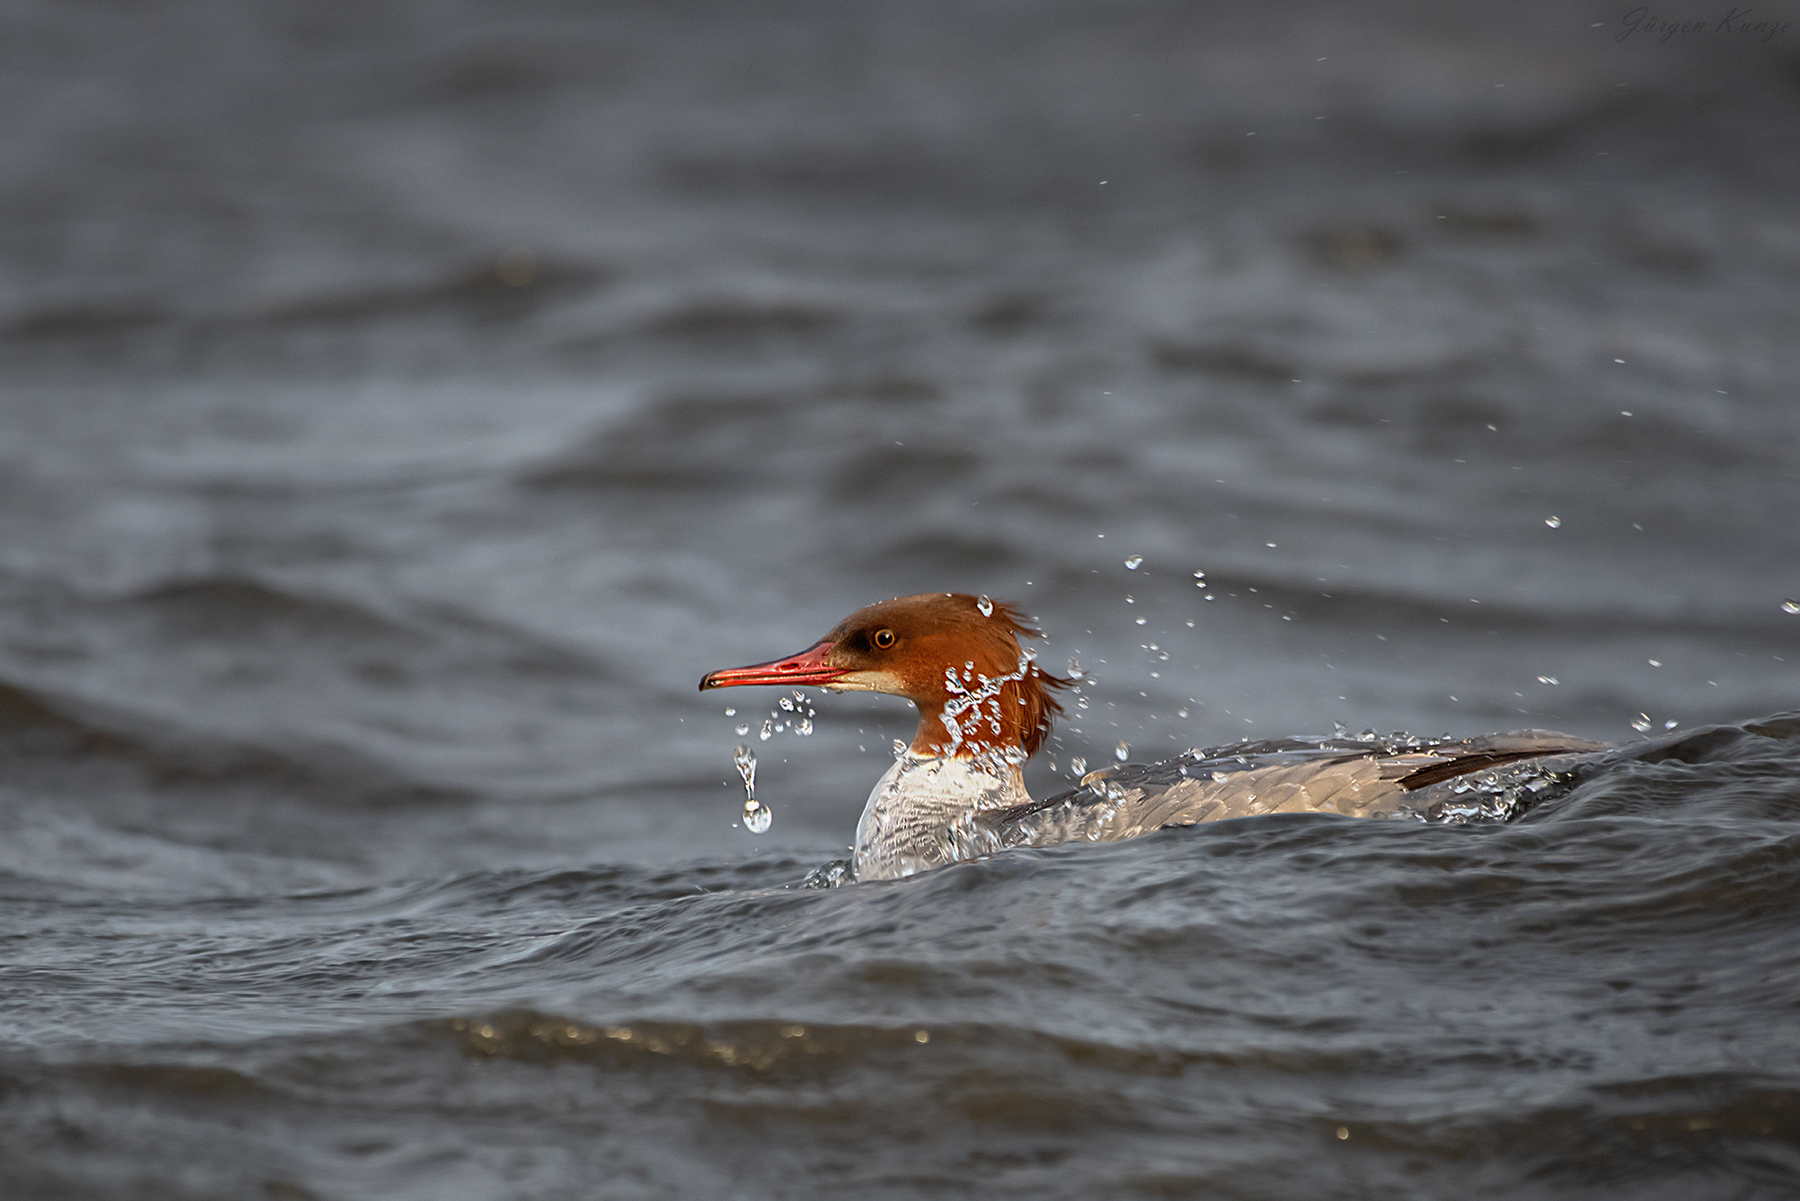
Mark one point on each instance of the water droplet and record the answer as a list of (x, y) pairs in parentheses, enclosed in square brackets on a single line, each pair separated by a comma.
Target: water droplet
[(757, 817), (1790, 606), (1547, 680), (1181, 713), (1654, 662), (1121, 752), (730, 712), (787, 703), (1199, 575), (1075, 671), (803, 727), (745, 759), (1078, 765), (1142, 620), (741, 729), (986, 606), (899, 748), (1553, 522), (768, 730), (1134, 562), (1670, 724), (1270, 545), (1130, 600), (1642, 724)]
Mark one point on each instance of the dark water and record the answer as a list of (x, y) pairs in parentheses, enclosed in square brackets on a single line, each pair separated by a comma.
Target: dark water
[(403, 405)]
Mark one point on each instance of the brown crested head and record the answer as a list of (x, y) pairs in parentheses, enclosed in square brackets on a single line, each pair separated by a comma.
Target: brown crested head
[(954, 655), (912, 645)]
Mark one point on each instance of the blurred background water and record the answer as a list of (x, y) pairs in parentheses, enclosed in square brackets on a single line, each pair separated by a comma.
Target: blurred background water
[(405, 404)]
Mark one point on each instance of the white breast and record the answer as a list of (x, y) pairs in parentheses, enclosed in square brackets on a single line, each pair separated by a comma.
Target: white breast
[(921, 813)]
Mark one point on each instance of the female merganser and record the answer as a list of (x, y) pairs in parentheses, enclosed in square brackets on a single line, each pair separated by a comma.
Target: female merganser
[(985, 707)]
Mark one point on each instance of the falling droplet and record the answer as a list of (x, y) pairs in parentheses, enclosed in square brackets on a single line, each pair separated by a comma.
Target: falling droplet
[(1790, 606), (1181, 713), (1547, 680), (1553, 522), (1075, 671), (803, 727), (1670, 724), (1121, 751), (730, 712), (1199, 575), (1078, 766), (986, 606), (899, 748), (1642, 724), (1134, 562), (768, 730), (741, 729), (745, 758), (787, 703), (756, 814), (1142, 620)]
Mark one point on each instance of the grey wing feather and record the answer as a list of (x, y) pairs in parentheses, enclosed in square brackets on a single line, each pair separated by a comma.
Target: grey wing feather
[(1431, 780)]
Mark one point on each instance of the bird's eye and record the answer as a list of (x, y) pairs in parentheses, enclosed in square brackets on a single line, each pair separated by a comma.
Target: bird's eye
[(884, 639)]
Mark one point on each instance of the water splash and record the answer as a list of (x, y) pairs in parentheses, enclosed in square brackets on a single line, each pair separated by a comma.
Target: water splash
[(971, 707), (793, 713), (756, 814), (1495, 795)]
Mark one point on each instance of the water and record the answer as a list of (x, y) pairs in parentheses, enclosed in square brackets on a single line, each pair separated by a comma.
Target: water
[(757, 816), (404, 407)]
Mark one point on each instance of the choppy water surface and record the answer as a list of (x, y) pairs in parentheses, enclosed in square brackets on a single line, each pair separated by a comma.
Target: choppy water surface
[(404, 407)]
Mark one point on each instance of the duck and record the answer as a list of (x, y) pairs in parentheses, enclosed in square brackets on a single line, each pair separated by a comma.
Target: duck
[(986, 706)]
